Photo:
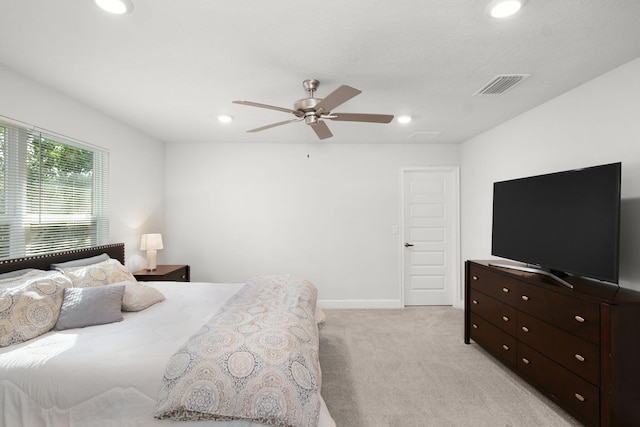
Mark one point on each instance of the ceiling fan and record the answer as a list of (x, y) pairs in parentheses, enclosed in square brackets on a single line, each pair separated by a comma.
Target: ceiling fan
[(315, 110)]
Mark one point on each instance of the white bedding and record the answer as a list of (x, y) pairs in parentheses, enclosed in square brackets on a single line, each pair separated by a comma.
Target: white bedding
[(109, 375)]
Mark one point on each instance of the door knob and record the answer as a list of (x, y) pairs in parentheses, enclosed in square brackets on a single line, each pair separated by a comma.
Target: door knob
[(406, 245)]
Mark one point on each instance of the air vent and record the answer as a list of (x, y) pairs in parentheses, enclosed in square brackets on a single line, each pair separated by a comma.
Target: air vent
[(501, 83)]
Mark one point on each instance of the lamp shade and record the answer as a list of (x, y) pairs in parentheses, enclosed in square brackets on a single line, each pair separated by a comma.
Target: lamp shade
[(151, 242)]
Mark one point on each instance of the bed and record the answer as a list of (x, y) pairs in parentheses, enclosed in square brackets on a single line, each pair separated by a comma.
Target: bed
[(132, 372)]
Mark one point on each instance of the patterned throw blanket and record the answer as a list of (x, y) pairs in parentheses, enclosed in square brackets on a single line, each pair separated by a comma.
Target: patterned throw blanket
[(256, 359)]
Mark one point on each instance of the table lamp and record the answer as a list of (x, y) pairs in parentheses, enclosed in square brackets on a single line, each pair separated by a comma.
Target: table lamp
[(151, 243)]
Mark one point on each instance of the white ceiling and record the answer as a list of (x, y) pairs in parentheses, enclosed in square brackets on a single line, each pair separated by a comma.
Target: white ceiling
[(172, 66)]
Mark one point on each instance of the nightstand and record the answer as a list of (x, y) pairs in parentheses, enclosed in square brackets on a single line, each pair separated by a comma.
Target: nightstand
[(165, 273)]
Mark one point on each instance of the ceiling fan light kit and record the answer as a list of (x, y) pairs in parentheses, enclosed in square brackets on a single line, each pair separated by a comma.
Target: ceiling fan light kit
[(314, 111)]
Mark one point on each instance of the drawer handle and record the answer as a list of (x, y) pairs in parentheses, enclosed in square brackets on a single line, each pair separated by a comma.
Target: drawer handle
[(475, 302), (184, 276), (506, 347), (524, 298), (579, 357), (579, 318), (524, 328), (505, 318), (525, 361), (580, 397), (505, 290), (475, 326), (475, 277)]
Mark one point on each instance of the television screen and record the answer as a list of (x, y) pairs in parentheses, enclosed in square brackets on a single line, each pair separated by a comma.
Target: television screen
[(564, 222)]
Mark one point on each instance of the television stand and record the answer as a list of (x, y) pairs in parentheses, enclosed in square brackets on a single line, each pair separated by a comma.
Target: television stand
[(580, 347), (532, 270)]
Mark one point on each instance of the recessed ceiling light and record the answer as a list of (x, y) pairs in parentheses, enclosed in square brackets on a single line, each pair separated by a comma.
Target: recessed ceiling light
[(404, 119), (504, 8), (117, 7), (223, 118)]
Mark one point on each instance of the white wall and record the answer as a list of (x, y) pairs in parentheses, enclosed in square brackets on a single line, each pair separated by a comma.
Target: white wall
[(239, 210), (596, 123), (136, 161)]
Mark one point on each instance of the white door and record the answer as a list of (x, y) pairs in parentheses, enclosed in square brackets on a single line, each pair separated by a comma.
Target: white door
[(430, 232)]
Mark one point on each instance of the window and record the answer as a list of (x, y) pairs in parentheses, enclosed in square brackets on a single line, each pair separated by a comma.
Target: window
[(53, 192)]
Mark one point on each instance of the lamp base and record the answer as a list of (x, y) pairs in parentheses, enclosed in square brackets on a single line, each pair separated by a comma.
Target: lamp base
[(151, 259)]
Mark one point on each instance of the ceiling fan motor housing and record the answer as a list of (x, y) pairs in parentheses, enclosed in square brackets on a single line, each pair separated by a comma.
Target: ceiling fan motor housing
[(306, 105)]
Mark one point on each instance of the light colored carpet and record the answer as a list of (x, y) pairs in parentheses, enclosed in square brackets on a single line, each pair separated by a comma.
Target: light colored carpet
[(410, 368)]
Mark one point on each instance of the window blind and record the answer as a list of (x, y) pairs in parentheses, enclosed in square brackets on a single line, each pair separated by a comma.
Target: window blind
[(53, 192)]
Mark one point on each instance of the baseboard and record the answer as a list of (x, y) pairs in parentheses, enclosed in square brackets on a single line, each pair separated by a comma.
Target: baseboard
[(368, 303), (360, 303)]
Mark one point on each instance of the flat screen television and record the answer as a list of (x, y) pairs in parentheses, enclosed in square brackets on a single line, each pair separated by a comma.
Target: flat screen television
[(562, 223)]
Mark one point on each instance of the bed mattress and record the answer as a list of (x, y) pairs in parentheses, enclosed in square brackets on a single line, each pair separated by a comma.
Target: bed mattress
[(109, 375)]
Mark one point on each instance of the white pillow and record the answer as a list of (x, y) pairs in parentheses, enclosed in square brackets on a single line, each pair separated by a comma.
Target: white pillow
[(137, 296), (99, 274)]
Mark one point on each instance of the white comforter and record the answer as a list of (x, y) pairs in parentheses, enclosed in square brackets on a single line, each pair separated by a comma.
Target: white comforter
[(109, 375)]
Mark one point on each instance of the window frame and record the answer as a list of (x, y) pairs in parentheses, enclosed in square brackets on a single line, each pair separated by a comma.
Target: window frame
[(14, 214)]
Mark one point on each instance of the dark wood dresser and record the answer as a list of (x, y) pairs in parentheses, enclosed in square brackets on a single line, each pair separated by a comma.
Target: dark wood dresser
[(580, 347)]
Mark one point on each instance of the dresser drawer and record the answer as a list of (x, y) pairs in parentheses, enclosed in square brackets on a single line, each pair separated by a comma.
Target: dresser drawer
[(493, 284), (575, 315), (578, 355), (577, 396), (496, 312), (495, 341)]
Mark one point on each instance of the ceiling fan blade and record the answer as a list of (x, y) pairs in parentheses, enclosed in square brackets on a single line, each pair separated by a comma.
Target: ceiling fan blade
[(321, 129), (337, 97), (269, 107), (355, 117), (272, 125)]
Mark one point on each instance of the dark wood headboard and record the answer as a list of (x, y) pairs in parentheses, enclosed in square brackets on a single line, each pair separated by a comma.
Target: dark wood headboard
[(44, 261)]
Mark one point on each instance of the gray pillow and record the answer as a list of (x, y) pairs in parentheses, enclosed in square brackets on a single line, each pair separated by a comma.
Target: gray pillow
[(90, 306), (17, 273), (80, 262)]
